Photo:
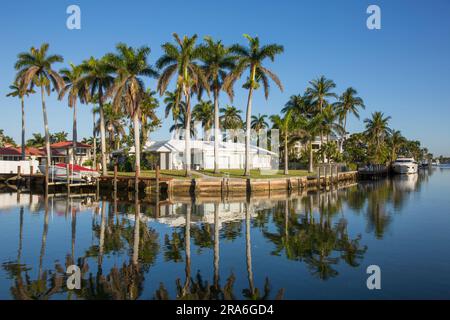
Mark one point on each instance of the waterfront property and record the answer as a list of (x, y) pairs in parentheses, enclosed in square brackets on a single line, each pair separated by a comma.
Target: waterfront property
[(83, 151), (306, 245)]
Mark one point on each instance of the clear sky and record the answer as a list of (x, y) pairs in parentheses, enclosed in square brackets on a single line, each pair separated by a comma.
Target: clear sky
[(401, 70)]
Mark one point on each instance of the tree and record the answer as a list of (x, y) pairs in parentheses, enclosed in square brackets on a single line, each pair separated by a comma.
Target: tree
[(203, 112), (114, 126), (318, 92), (252, 58), (230, 118), (37, 141), (58, 137), (131, 65), (35, 69), (181, 59), (376, 131), (75, 89), (98, 78), (149, 120), (283, 124), (4, 139), (217, 63), (348, 104), (259, 122), (395, 141), (16, 92)]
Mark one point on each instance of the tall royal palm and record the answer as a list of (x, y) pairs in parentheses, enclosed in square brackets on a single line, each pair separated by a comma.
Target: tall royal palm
[(75, 89), (131, 66), (35, 69), (17, 92), (348, 103), (98, 77), (318, 92), (251, 58), (217, 63), (181, 59)]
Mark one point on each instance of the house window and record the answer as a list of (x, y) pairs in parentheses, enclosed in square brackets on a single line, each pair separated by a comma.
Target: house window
[(81, 151)]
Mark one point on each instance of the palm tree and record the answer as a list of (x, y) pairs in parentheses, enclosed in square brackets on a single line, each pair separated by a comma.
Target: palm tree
[(98, 78), (58, 137), (35, 69), (16, 92), (312, 128), (259, 122), (75, 89), (283, 124), (180, 59), (231, 118), (348, 104), (129, 91), (203, 111), (149, 120), (173, 104), (396, 141), (37, 141), (217, 63), (114, 126), (319, 91), (252, 58), (377, 130)]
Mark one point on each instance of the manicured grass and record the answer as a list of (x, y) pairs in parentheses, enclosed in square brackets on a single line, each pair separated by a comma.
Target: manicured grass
[(175, 174), (256, 174)]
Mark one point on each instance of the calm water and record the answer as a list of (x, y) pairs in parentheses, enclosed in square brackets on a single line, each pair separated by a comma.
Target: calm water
[(305, 246)]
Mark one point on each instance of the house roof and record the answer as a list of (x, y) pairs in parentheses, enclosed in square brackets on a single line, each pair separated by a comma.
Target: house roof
[(68, 144), (29, 151)]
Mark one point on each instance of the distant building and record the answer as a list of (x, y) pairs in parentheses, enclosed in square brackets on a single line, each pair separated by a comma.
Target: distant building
[(61, 152), (83, 152)]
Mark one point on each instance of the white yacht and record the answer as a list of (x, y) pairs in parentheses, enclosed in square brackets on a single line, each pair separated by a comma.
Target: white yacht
[(405, 165)]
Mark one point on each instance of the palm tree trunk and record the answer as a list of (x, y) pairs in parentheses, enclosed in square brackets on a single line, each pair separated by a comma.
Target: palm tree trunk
[(102, 133), (47, 135), (216, 245), (311, 164), (286, 159), (137, 149), (23, 129), (248, 118), (248, 249), (187, 245), (216, 131), (74, 134), (94, 160), (136, 229), (187, 134), (101, 243)]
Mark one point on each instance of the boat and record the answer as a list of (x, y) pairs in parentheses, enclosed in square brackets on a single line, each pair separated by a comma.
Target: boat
[(58, 172), (405, 165)]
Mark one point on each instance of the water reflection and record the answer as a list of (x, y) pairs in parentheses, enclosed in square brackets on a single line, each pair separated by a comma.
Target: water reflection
[(131, 240)]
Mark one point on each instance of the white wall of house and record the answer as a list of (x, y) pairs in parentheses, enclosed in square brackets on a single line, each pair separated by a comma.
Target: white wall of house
[(10, 167)]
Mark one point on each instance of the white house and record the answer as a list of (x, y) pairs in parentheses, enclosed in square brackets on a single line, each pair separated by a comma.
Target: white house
[(232, 155)]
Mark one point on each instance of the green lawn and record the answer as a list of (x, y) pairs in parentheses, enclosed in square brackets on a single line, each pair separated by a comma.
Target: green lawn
[(256, 174), (175, 174)]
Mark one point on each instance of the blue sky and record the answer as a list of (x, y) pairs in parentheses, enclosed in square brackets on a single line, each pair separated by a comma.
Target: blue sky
[(401, 70)]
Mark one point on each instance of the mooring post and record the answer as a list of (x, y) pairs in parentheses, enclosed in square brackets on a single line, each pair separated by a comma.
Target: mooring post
[(157, 179), (325, 168), (68, 177), (18, 175), (29, 178), (318, 176), (115, 177)]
